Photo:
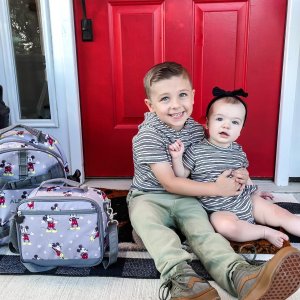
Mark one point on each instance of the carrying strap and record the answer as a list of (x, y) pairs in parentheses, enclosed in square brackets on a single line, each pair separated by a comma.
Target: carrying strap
[(41, 137), (32, 181), (113, 244), (112, 228), (13, 239), (63, 181)]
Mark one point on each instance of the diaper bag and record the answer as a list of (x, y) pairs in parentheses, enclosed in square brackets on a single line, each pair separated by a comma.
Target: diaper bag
[(64, 224)]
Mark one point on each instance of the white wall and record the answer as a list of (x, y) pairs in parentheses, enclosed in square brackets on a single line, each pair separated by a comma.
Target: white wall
[(294, 170), (287, 124)]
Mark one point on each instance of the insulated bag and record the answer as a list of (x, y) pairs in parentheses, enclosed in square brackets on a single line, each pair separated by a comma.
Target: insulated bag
[(64, 224), (27, 157)]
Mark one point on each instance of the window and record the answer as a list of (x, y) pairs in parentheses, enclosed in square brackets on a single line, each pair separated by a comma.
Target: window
[(30, 63), (28, 57)]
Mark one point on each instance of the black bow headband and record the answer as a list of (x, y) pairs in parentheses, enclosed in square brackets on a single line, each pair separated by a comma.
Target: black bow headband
[(219, 93)]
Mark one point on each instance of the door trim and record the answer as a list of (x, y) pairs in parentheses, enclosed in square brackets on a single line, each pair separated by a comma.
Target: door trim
[(288, 94), (65, 60)]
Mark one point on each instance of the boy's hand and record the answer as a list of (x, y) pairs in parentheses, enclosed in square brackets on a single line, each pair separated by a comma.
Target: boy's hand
[(228, 185), (241, 175), (176, 149)]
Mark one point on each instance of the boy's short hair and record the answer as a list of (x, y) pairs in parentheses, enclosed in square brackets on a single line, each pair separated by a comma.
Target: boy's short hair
[(162, 71)]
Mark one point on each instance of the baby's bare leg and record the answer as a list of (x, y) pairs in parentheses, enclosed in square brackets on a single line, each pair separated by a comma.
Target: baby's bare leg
[(234, 229), (268, 213)]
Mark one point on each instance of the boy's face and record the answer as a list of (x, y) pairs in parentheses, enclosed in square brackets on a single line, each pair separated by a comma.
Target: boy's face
[(172, 100), (225, 123)]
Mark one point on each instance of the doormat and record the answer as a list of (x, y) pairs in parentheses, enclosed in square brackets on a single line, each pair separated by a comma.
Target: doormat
[(133, 262), (118, 200), (135, 268)]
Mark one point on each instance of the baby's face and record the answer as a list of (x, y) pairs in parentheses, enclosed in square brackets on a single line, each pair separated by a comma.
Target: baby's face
[(225, 123), (172, 100)]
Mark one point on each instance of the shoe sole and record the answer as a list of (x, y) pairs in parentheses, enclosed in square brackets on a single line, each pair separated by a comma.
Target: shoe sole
[(209, 294), (280, 277)]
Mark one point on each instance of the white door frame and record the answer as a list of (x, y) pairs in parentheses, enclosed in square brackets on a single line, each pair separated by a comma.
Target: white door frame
[(288, 93), (64, 48)]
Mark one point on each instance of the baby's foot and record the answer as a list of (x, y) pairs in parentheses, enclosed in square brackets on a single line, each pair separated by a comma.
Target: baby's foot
[(275, 237)]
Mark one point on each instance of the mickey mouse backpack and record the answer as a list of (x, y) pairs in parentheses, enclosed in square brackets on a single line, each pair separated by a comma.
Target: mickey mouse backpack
[(27, 157), (64, 224)]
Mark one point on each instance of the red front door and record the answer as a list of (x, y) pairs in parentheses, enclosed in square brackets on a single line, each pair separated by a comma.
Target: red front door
[(230, 44)]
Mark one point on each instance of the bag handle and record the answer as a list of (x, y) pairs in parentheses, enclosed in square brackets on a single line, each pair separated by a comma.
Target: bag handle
[(37, 133), (65, 181)]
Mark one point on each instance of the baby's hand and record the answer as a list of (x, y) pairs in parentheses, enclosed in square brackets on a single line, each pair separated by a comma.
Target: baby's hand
[(241, 175), (176, 149)]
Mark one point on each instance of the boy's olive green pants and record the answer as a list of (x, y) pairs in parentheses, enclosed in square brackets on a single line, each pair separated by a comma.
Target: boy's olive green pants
[(152, 215)]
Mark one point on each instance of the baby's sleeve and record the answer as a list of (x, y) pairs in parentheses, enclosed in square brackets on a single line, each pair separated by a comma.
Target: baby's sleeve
[(188, 158)]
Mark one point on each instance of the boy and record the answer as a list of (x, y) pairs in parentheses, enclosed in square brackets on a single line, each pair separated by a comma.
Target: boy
[(233, 217), (155, 204)]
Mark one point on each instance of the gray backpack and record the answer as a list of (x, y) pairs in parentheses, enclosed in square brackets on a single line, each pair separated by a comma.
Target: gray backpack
[(27, 158), (64, 224)]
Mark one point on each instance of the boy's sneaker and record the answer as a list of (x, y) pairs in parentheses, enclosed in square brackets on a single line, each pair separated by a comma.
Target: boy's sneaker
[(276, 279), (185, 284)]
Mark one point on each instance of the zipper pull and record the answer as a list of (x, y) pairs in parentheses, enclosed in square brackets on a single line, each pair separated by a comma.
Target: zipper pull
[(19, 218)]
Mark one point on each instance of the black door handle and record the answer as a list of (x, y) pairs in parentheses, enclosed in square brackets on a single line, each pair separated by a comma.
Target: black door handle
[(86, 25)]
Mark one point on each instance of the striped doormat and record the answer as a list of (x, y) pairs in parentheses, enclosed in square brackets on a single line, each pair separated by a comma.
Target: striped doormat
[(133, 261)]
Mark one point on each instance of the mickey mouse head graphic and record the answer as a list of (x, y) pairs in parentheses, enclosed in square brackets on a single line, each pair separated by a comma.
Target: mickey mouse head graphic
[(83, 252), (30, 164)]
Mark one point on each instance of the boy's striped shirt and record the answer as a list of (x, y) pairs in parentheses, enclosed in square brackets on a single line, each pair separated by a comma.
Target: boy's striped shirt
[(151, 144)]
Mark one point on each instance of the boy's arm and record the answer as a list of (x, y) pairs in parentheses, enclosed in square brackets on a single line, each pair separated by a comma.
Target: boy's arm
[(223, 186), (176, 151)]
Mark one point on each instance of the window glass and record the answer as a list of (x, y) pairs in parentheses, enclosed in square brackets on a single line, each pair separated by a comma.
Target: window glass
[(30, 59)]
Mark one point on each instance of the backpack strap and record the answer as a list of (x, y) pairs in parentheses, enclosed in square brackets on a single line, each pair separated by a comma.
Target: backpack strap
[(23, 169), (54, 172), (13, 238)]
